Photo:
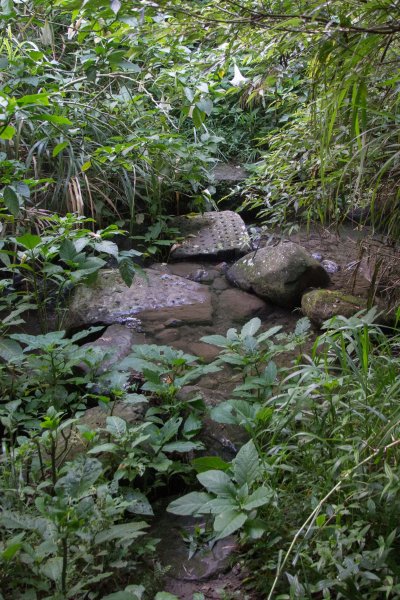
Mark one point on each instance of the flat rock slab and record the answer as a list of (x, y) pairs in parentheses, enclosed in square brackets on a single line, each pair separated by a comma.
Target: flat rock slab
[(156, 297), (279, 274), (212, 235)]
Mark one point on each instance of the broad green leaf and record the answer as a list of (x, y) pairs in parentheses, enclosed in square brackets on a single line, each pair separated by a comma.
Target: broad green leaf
[(12, 547), (121, 596), (205, 105), (250, 328), (29, 241), (271, 372), (103, 448), (7, 132), (139, 503), (11, 201), (38, 99), (80, 479), (216, 340), (53, 568), (258, 498), (267, 334), (217, 506), (107, 247), (128, 270), (198, 117), (228, 522), (190, 504), (125, 531), (165, 596), (10, 349), (208, 463), (56, 119), (216, 482), (59, 148), (189, 94), (246, 464), (116, 426), (67, 250), (255, 528), (222, 413), (181, 446), (86, 165), (192, 425)]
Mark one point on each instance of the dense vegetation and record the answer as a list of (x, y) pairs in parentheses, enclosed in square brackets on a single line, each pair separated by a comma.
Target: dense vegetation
[(113, 114)]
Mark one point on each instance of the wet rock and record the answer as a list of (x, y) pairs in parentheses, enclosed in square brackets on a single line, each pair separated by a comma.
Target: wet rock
[(212, 235), (241, 306), (167, 336), (317, 256), (279, 274), (173, 323), (330, 266), (94, 419), (173, 552), (114, 344), (220, 284), (219, 439), (320, 305), (228, 172), (222, 267), (156, 297), (203, 276), (184, 269), (207, 352)]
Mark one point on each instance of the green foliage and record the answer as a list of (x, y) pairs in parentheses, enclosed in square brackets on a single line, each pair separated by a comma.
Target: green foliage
[(45, 267), (233, 496)]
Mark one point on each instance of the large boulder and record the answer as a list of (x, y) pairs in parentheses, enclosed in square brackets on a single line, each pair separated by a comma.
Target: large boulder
[(321, 305), (279, 273), (212, 235), (156, 296)]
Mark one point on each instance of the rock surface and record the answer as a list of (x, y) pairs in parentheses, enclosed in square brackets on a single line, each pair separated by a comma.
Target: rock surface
[(212, 235), (320, 305), (279, 273), (173, 552), (241, 306), (158, 297), (114, 344), (229, 173)]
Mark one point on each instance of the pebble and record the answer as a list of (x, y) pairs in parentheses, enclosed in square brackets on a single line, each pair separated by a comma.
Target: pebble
[(330, 266), (317, 256)]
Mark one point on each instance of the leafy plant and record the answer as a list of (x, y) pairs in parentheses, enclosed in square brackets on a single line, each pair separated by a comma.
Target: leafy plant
[(45, 267), (233, 496)]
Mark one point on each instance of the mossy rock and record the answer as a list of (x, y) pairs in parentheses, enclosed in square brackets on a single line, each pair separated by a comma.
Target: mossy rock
[(279, 274), (321, 305)]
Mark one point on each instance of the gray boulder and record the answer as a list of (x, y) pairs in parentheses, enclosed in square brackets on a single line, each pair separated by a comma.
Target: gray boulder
[(279, 273)]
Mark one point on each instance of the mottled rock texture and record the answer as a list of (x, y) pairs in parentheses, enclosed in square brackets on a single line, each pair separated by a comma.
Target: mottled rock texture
[(156, 297), (279, 274), (212, 235), (321, 305)]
